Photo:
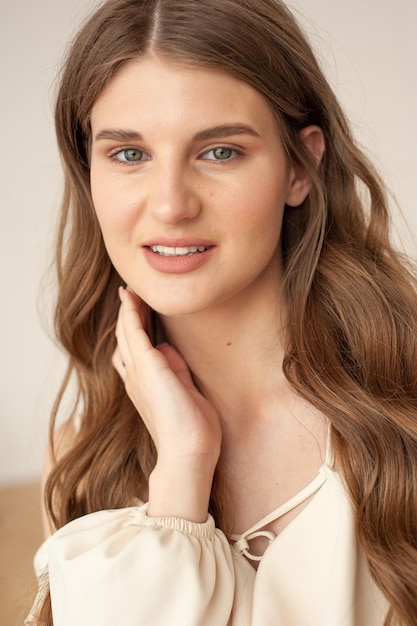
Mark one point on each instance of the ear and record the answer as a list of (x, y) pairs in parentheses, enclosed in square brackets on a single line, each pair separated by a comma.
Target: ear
[(300, 183)]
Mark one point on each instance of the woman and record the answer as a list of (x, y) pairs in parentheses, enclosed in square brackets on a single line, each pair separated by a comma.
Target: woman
[(253, 381)]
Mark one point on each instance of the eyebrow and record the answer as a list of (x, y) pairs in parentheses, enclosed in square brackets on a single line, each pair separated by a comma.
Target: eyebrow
[(214, 132), (225, 130), (117, 134)]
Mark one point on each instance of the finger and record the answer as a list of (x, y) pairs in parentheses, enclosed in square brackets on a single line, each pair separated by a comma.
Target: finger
[(129, 322), (134, 340), (137, 305), (177, 364), (118, 364), (122, 345)]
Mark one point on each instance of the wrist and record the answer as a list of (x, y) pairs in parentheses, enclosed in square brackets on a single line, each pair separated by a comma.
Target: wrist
[(181, 489)]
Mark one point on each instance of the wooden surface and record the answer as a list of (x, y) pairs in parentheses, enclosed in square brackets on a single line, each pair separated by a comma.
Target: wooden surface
[(20, 536)]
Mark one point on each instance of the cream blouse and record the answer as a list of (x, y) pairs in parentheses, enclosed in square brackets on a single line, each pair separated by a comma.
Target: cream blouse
[(123, 568)]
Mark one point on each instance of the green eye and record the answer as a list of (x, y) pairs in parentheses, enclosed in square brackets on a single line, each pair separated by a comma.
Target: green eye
[(132, 155), (222, 153)]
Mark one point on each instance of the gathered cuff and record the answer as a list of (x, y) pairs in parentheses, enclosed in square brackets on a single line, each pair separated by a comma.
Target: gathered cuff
[(205, 530)]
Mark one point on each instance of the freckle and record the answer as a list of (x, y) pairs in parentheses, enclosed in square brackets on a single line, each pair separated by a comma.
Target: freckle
[(229, 343)]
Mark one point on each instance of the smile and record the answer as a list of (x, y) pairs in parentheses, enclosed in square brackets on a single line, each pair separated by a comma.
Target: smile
[(183, 251)]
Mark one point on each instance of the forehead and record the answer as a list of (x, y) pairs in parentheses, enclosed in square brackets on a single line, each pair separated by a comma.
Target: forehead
[(154, 92)]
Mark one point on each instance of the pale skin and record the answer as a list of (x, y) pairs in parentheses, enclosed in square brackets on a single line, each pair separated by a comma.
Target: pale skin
[(200, 164)]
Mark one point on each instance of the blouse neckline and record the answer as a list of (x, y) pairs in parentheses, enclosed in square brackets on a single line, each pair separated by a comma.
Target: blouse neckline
[(241, 541)]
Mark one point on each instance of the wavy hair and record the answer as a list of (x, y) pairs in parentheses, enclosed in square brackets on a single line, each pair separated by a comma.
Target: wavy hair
[(352, 336)]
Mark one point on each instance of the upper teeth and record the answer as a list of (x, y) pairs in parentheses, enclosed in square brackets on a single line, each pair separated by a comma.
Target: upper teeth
[(167, 251)]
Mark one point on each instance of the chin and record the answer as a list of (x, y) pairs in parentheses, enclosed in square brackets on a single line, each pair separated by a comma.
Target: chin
[(179, 306), (170, 310), (167, 307)]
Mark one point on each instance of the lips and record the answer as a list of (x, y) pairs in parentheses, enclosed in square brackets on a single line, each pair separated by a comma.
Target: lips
[(178, 242), (178, 256), (178, 251)]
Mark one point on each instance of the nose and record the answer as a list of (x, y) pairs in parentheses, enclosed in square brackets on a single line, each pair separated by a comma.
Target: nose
[(173, 195)]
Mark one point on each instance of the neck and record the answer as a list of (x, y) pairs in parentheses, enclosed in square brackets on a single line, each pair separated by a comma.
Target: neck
[(235, 353)]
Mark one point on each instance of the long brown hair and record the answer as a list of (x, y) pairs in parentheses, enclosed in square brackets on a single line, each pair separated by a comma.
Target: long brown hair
[(352, 347)]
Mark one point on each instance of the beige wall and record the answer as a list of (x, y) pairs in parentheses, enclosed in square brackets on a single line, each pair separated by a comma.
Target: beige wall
[(369, 50)]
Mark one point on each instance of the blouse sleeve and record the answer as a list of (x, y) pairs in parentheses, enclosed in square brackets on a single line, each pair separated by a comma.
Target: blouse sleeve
[(123, 567)]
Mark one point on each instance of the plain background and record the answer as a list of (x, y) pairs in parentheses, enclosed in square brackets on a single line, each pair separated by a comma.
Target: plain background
[(368, 49)]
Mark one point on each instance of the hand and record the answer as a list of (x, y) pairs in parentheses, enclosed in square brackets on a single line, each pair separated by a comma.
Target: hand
[(183, 425)]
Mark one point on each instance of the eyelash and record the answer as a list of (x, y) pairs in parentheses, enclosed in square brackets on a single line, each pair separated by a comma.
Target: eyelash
[(115, 154), (236, 151)]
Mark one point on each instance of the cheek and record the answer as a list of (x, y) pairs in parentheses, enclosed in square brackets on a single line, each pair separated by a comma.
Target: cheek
[(111, 205), (100, 195), (262, 209)]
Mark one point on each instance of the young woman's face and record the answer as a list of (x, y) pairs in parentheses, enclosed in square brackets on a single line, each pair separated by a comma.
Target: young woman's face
[(189, 181)]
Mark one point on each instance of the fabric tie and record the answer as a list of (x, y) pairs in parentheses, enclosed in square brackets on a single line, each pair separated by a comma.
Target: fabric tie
[(242, 544)]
